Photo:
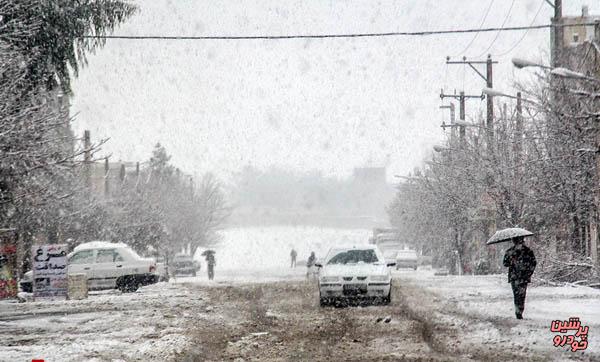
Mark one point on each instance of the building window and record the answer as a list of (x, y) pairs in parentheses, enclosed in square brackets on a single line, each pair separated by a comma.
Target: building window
[(575, 38)]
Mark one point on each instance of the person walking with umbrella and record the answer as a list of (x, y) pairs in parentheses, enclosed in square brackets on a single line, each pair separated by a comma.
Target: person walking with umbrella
[(521, 263), (209, 256)]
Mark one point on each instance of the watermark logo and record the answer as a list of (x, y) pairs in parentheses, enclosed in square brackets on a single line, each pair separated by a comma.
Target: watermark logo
[(573, 334)]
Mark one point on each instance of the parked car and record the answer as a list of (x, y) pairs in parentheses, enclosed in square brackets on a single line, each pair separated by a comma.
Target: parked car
[(107, 266), (356, 272), (407, 259), (184, 264)]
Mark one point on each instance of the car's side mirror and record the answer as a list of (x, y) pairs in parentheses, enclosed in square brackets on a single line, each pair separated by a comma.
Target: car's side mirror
[(318, 265)]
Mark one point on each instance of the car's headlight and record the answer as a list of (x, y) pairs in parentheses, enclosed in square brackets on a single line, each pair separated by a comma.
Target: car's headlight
[(379, 278), (329, 279)]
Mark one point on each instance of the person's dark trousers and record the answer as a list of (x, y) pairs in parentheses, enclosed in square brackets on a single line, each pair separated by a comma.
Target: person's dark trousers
[(211, 272), (519, 289)]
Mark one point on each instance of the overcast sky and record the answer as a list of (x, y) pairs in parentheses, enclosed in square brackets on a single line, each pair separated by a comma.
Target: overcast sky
[(330, 104)]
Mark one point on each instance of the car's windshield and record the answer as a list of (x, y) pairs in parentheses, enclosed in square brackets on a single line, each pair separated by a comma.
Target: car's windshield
[(367, 256)]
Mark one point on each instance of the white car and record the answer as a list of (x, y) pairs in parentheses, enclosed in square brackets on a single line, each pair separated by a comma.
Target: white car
[(356, 272), (107, 266)]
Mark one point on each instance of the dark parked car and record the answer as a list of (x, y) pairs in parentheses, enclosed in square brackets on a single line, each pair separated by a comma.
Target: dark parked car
[(184, 265)]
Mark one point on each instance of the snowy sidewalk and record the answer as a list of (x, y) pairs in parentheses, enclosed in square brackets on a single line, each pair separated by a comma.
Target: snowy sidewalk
[(482, 307), (108, 326)]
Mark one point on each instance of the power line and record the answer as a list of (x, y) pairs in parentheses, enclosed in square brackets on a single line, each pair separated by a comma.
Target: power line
[(525, 33), (487, 12), (512, 4), (324, 36)]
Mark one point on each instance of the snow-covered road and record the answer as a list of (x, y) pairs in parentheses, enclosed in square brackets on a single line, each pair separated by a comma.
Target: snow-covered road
[(481, 308), (274, 314), (108, 326)]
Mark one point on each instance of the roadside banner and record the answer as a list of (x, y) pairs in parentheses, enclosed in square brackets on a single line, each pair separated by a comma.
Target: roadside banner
[(49, 264)]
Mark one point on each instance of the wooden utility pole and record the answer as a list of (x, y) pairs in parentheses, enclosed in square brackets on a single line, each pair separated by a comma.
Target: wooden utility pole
[(557, 34), (191, 188), (489, 81), (462, 115), (490, 103), (594, 229), (106, 178), (87, 159), (122, 174), (461, 109), (137, 175), (452, 124), (519, 131)]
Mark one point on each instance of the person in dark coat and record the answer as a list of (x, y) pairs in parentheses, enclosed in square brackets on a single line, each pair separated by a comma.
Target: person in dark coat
[(293, 256), (211, 262), (310, 263), (520, 261)]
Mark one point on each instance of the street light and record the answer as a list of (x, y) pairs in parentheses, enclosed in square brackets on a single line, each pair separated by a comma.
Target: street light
[(468, 124), (582, 93), (559, 71), (496, 93), (567, 73), (523, 63), (441, 148)]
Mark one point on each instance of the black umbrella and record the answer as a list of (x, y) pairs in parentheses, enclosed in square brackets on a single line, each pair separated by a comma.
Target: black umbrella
[(507, 235), (207, 252)]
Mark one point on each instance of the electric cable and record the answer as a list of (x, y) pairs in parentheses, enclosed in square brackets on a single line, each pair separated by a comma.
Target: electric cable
[(487, 12), (326, 36), (512, 4), (525, 33)]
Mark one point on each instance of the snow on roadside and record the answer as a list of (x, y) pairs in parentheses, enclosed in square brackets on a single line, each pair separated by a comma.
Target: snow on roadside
[(146, 325), (488, 300)]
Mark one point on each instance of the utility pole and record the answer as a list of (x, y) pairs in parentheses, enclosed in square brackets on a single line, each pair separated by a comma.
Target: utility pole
[(462, 115), (87, 158), (452, 109), (557, 33), (137, 175), (122, 174), (106, 178), (595, 232), (461, 111), (192, 188), (489, 81), (519, 131), (490, 103)]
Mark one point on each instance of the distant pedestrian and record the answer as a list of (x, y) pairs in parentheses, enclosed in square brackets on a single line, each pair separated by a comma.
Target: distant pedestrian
[(293, 256), (521, 263), (310, 264), (210, 262)]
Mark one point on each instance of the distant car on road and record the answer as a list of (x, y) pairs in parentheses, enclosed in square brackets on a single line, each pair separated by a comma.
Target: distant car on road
[(184, 264), (107, 266), (407, 259), (356, 272)]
